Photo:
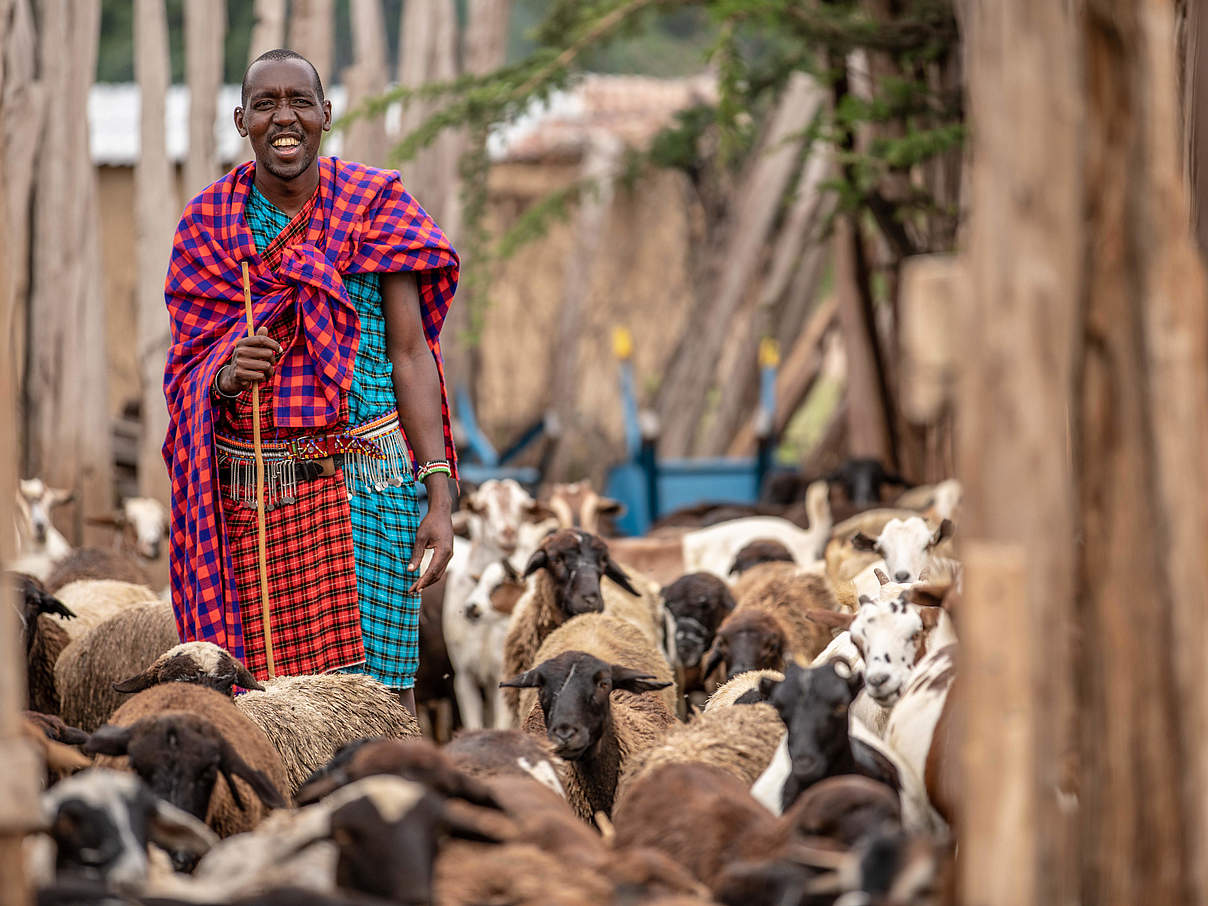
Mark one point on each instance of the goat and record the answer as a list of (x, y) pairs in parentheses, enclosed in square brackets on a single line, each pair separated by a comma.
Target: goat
[(39, 544)]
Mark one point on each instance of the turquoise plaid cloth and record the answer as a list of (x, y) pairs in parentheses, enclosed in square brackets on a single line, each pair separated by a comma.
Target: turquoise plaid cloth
[(384, 522)]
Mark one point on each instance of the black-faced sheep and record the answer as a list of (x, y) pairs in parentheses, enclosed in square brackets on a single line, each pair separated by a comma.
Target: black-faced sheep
[(611, 639), (564, 576), (594, 731), (231, 732), (769, 628), (697, 603), (122, 645), (43, 638)]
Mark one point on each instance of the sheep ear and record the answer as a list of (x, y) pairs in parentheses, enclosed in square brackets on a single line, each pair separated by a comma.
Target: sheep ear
[(717, 658), (139, 681), (243, 676), (539, 560), (618, 575), (233, 766), (108, 740), (767, 686), (529, 680), (630, 680), (862, 542), (48, 603), (881, 577), (832, 618), (176, 830), (944, 531), (465, 822), (727, 601), (735, 567)]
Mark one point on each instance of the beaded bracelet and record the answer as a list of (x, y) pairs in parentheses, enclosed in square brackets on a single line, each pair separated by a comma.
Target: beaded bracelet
[(433, 467)]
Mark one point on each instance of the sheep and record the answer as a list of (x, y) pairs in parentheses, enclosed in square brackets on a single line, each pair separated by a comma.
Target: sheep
[(435, 697), (54, 741), (906, 546), (761, 550), (39, 544), (824, 741), (695, 605), (307, 718), (594, 732), (499, 753), (578, 506), (43, 640), (127, 642), (610, 639), (740, 740), (100, 822), (704, 819), (97, 563), (645, 611), (96, 600), (150, 728), (563, 580), (846, 809), (713, 549), (769, 626), (474, 632)]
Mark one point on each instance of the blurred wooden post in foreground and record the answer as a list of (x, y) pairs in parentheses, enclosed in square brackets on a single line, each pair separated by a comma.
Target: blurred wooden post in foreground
[(19, 777), (1083, 417)]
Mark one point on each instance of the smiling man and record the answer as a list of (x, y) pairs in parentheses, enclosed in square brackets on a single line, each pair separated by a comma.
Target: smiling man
[(351, 281)]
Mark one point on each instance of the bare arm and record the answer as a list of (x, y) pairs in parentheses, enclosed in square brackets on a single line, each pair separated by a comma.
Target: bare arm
[(417, 392)]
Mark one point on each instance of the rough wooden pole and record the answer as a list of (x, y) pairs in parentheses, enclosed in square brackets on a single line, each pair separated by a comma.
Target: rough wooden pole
[(365, 139), (205, 32), (268, 33), (1017, 333), (312, 33), (69, 418), (18, 788), (158, 209)]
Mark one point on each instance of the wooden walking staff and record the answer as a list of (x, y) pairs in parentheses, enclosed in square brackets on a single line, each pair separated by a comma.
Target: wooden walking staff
[(260, 530)]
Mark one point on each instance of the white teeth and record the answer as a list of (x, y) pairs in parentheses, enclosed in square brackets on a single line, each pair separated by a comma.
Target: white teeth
[(286, 143)]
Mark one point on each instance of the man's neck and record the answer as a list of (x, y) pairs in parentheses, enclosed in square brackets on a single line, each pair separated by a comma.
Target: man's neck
[(288, 195)]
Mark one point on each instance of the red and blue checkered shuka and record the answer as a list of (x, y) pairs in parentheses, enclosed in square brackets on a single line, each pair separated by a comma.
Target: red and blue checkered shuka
[(363, 222)]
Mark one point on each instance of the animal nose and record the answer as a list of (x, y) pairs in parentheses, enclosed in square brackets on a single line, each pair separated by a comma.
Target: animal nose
[(473, 612), (901, 576), (877, 680), (562, 733)]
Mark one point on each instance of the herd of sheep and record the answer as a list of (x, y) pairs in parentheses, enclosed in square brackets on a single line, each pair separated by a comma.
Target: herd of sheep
[(739, 708)]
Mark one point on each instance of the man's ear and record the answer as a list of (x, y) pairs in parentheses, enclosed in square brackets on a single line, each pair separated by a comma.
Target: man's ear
[(239, 122), (326, 115)]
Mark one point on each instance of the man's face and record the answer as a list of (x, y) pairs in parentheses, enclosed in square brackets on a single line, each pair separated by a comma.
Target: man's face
[(284, 118)]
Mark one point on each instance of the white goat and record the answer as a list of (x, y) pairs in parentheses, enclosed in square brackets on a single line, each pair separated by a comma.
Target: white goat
[(714, 548), (141, 524), (39, 544), (907, 547)]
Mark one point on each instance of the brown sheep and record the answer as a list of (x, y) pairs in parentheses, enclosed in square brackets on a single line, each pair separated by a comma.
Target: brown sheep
[(769, 628), (239, 737)]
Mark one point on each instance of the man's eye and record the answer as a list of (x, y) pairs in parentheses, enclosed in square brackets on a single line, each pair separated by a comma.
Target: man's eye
[(302, 102)]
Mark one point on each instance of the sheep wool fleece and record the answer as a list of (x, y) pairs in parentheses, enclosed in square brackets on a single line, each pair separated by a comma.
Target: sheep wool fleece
[(314, 281)]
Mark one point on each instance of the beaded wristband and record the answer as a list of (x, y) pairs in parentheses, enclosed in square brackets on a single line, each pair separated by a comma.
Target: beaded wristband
[(433, 467)]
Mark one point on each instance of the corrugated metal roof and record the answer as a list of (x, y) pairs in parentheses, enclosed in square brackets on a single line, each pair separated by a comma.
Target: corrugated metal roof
[(632, 108)]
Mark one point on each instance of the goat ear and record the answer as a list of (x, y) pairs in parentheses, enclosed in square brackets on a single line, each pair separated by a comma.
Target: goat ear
[(232, 766), (108, 740), (60, 496), (539, 512), (862, 542), (139, 681), (619, 576), (832, 618), (539, 560), (927, 595), (176, 830), (606, 506), (472, 504), (113, 520), (461, 524), (944, 531), (529, 680), (629, 680)]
